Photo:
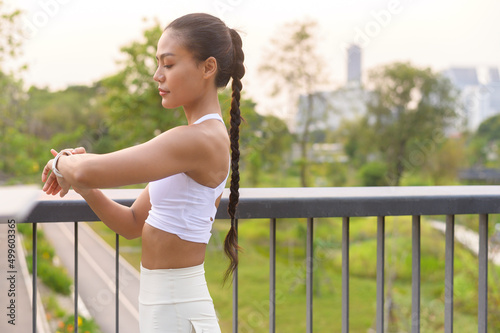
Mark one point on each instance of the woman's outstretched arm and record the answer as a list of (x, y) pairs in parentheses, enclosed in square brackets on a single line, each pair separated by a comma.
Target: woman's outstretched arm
[(181, 149)]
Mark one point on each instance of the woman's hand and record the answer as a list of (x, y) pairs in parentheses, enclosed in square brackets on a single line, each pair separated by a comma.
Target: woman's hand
[(51, 186), (54, 184)]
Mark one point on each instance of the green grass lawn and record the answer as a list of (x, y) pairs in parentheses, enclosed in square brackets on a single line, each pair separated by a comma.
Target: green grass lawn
[(290, 276)]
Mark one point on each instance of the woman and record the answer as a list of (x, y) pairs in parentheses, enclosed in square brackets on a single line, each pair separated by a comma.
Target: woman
[(186, 167)]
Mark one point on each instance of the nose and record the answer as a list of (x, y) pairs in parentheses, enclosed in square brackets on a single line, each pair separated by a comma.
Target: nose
[(158, 76)]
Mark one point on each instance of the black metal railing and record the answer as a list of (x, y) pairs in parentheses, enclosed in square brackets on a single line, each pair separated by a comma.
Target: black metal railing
[(311, 203)]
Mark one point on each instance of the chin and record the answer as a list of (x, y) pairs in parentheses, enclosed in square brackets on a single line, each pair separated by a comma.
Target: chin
[(168, 105)]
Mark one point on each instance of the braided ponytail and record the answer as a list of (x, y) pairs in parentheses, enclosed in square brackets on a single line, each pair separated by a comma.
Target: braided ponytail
[(207, 36), (238, 70)]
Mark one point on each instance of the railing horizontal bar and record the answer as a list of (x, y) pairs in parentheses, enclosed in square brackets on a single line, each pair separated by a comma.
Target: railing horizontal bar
[(64, 210), (345, 275), (449, 273), (380, 273), (306, 202), (483, 275)]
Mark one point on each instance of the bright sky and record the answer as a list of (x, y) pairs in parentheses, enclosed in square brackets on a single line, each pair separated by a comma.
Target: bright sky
[(77, 41)]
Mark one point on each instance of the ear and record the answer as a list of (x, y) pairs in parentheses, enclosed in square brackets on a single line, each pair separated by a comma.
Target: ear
[(210, 68)]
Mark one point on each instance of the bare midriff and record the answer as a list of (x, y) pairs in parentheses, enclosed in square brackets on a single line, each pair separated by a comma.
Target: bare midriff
[(164, 250)]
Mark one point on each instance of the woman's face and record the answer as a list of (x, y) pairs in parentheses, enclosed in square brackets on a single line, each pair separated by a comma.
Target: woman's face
[(179, 75)]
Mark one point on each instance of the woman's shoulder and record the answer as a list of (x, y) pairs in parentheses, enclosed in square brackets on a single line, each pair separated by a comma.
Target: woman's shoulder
[(207, 138), (205, 150)]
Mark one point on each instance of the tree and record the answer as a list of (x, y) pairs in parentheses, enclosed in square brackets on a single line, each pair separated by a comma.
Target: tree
[(56, 112), (10, 43), (296, 68), (484, 144), (264, 140), (443, 165), (354, 136), (373, 174), (408, 115), (12, 97)]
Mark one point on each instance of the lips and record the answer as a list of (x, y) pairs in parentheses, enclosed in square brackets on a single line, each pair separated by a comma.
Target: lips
[(163, 92)]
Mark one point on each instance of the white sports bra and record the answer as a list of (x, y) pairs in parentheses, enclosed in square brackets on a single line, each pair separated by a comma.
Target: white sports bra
[(182, 206)]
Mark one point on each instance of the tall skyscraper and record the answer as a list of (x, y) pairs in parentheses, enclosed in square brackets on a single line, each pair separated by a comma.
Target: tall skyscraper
[(354, 64)]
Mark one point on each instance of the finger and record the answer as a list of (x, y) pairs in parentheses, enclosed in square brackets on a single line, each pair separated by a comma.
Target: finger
[(63, 192), (79, 150), (48, 180), (54, 152), (45, 187), (44, 174), (46, 170), (53, 188), (50, 185), (58, 189)]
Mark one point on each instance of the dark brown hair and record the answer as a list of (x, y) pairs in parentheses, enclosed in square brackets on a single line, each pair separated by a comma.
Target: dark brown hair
[(207, 36)]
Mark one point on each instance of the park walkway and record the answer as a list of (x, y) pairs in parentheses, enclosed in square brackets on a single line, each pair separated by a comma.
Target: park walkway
[(470, 239), (96, 275)]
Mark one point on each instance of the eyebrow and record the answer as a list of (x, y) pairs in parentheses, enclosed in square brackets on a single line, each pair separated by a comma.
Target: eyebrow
[(164, 55)]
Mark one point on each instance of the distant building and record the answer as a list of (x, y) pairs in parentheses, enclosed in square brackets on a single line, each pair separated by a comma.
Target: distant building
[(493, 88), (493, 75), (480, 98), (322, 153), (330, 108), (354, 64), (463, 77)]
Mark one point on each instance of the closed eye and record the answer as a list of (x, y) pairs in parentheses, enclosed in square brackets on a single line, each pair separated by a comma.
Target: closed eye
[(168, 66)]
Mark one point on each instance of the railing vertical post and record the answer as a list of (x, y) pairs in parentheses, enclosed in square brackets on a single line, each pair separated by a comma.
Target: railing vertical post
[(272, 276), (345, 275), (309, 275), (34, 270), (482, 319), (449, 273), (117, 283), (76, 277), (235, 290), (380, 273), (415, 305)]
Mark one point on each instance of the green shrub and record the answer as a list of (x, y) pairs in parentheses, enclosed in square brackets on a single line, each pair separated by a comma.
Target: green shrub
[(52, 276), (373, 174), (52, 306)]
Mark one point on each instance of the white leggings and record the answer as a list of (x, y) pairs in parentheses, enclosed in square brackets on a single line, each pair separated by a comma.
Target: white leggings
[(176, 301)]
